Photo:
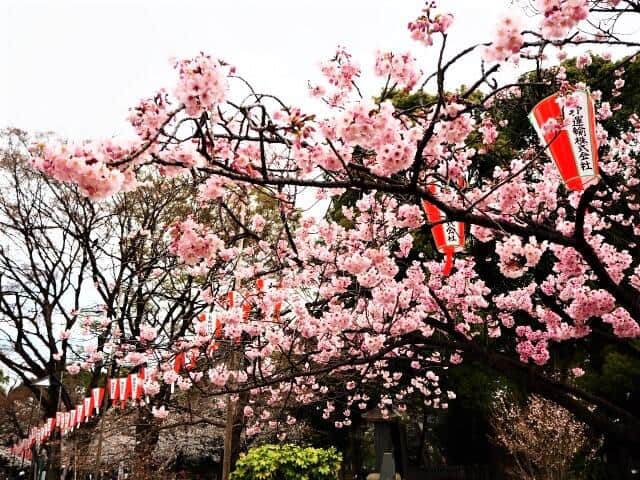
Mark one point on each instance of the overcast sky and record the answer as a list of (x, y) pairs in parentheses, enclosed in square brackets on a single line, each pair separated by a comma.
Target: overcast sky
[(76, 66)]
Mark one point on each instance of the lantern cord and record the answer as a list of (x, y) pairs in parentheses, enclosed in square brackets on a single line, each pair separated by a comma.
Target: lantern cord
[(448, 263)]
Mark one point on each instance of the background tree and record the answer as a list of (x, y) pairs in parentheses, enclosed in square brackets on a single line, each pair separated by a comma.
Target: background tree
[(542, 438)]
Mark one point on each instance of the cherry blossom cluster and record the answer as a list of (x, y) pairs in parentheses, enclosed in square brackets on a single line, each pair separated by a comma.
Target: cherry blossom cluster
[(426, 25), (150, 115), (561, 16), (202, 84), (507, 42), (192, 242), (88, 167), (340, 72), (401, 69)]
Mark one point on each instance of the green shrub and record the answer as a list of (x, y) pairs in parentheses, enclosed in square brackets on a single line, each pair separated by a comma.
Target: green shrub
[(288, 462)]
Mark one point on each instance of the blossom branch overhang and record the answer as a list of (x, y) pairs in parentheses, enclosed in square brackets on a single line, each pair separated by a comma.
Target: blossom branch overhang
[(458, 214)]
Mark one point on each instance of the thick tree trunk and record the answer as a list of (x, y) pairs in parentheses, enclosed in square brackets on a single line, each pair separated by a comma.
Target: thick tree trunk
[(238, 427)]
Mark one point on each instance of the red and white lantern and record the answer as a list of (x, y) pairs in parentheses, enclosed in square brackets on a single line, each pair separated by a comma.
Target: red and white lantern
[(448, 236), (88, 408), (114, 390), (51, 424), (125, 390), (66, 422), (574, 149), (136, 387), (97, 395), (179, 362), (72, 419), (79, 413)]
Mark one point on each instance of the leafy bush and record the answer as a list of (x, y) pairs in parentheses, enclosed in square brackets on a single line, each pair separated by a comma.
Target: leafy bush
[(288, 462)]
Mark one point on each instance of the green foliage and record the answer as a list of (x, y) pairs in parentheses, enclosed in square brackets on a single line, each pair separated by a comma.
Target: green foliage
[(615, 376), (288, 462)]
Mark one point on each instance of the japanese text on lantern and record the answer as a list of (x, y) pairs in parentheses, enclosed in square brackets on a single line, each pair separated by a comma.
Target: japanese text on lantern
[(580, 135), (451, 233)]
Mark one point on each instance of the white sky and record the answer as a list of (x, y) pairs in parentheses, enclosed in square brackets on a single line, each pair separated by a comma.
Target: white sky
[(76, 66)]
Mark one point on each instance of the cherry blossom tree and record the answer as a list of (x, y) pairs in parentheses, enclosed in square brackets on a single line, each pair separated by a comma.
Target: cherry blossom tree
[(320, 301), (542, 438)]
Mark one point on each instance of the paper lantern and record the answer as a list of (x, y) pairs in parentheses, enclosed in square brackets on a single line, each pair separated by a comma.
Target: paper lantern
[(230, 299), (97, 395), (136, 387), (448, 236), (191, 360), (114, 390), (79, 413), (574, 149), (66, 422), (72, 419), (214, 330), (51, 424), (88, 408), (124, 388), (178, 362)]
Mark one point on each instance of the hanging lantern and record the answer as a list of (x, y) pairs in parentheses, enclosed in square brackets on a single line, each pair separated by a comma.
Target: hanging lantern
[(79, 413), (97, 395), (178, 362), (214, 330), (124, 390), (191, 358), (574, 149), (114, 390), (51, 425), (65, 422), (72, 419), (88, 408), (136, 387), (230, 299), (448, 236)]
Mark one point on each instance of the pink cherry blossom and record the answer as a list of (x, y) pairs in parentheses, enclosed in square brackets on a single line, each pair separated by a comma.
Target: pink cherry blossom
[(160, 413), (148, 333), (202, 84), (507, 42)]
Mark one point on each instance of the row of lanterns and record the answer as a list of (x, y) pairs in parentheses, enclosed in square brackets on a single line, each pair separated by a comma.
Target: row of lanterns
[(120, 391), (123, 389), (573, 148), (65, 422)]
